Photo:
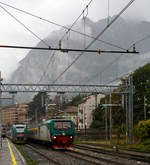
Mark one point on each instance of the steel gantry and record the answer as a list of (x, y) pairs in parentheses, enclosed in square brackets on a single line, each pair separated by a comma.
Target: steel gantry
[(64, 88), (126, 90)]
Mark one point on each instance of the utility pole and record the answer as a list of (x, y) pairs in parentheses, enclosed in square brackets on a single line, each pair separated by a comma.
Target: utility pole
[(144, 108), (110, 111), (96, 101), (0, 113), (46, 107), (36, 117), (129, 110)]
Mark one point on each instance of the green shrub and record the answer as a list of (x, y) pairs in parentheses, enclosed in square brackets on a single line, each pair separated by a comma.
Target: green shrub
[(142, 130), (121, 130)]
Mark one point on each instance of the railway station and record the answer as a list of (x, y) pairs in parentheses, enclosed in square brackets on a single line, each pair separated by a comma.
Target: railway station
[(75, 82)]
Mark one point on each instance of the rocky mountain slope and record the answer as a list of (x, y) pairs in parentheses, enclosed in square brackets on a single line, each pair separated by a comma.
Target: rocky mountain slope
[(40, 67)]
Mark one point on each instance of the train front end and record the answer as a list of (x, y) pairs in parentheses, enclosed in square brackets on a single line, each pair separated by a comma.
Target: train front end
[(62, 133), (19, 133)]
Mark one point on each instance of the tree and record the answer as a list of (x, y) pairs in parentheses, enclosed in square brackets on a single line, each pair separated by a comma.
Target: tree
[(141, 81), (98, 116), (36, 105), (76, 100)]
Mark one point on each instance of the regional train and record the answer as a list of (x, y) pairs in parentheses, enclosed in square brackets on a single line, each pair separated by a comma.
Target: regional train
[(59, 132), (18, 133)]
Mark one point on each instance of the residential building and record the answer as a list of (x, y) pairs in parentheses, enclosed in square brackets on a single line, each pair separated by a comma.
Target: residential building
[(72, 113), (14, 114), (86, 108)]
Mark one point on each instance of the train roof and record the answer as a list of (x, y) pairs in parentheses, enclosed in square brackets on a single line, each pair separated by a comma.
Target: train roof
[(51, 120), (19, 125)]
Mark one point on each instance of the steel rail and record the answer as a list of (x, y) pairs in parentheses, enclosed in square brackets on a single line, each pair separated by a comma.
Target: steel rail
[(42, 154), (118, 153)]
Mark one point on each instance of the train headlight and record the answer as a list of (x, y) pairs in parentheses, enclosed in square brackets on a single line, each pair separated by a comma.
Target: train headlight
[(70, 137), (63, 134), (53, 137)]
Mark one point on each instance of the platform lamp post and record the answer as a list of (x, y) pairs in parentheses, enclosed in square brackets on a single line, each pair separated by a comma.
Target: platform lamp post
[(1, 79)]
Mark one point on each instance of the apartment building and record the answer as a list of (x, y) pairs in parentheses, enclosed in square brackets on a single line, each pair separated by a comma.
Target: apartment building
[(72, 113), (85, 110), (14, 114)]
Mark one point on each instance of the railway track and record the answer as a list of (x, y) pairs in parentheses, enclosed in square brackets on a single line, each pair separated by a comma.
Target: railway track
[(78, 155), (41, 157), (137, 156), (96, 159), (75, 157)]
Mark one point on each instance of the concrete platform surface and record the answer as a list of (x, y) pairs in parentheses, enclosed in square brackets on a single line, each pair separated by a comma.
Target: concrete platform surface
[(9, 155)]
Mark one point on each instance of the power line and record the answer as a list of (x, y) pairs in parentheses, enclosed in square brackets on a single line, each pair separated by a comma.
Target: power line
[(77, 19), (106, 67), (64, 27), (118, 78), (116, 59), (111, 22), (24, 26), (44, 73), (64, 36), (139, 41)]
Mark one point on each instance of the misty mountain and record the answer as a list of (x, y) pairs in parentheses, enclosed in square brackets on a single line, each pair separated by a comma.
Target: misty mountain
[(41, 66)]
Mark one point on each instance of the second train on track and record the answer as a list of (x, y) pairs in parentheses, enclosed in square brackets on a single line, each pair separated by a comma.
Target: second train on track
[(57, 132)]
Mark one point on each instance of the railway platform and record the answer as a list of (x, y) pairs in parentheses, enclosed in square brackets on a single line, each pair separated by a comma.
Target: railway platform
[(9, 155)]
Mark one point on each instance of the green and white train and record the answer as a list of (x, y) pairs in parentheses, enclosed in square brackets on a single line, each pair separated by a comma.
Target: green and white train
[(18, 133), (59, 132)]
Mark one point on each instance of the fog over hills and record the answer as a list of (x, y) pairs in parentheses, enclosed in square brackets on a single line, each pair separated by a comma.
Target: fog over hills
[(90, 68)]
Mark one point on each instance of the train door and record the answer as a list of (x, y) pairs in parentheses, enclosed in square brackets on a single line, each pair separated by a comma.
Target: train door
[(44, 133)]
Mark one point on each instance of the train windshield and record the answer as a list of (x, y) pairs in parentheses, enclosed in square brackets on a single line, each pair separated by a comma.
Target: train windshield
[(62, 125), (20, 129)]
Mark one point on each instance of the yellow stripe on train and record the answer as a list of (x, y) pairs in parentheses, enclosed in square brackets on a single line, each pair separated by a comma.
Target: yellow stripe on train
[(30, 129)]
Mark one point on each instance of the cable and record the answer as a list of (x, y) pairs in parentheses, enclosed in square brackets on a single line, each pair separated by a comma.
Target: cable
[(118, 78), (62, 38), (24, 25), (77, 19), (64, 27), (65, 35), (108, 12), (111, 22), (106, 67), (44, 73), (138, 41)]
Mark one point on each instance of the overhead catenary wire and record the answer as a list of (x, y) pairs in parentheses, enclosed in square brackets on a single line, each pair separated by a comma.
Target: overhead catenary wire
[(139, 41), (24, 26), (116, 59), (68, 30), (134, 43), (65, 35), (77, 19), (118, 78), (64, 27), (111, 22), (46, 68), (108, 8), (106, 67)]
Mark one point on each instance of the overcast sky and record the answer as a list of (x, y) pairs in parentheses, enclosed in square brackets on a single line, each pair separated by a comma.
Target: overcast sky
[(63, 12)]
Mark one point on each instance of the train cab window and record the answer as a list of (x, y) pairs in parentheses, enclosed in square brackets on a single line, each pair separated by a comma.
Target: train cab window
[(62, 125), (20, 129)]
